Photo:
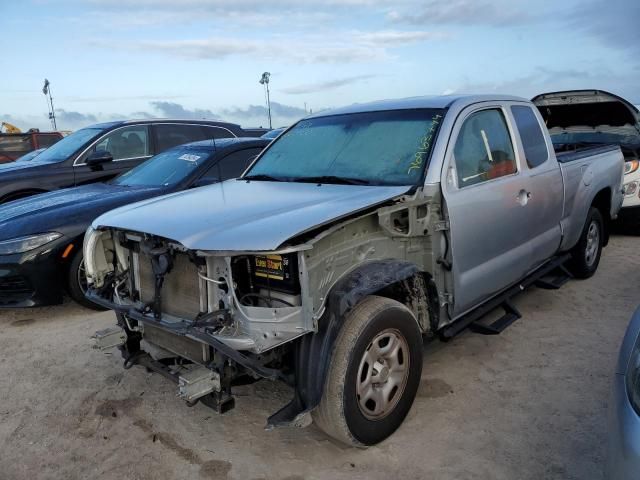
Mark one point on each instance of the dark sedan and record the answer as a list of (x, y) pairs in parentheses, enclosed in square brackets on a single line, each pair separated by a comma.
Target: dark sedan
[(41, 236), (100, 152)]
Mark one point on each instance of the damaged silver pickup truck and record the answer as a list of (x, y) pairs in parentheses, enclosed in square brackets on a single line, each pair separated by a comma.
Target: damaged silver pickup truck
[(353, 235)]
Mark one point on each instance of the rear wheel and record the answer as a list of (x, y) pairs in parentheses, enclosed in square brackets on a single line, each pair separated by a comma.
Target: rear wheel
[(373, 375), (77, 282), (585, 256)]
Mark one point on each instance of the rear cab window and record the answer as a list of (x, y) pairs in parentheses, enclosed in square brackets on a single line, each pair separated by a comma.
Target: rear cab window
[(533, 142)]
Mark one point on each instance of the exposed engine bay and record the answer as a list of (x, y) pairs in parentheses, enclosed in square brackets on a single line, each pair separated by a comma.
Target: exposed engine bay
[(209, 319)]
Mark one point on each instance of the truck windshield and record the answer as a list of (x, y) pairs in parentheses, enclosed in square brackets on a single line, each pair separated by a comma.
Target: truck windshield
[(372, 148), (60, 151), (165, 169)]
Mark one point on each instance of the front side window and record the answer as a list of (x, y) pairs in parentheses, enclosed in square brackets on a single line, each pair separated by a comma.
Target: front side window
[(233, 164), (127, 142), (389, 147), (165, 169), (535, 148), (483, 150)]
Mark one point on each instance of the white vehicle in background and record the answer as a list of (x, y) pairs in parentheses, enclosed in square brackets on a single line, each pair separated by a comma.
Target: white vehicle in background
[(594, 117)]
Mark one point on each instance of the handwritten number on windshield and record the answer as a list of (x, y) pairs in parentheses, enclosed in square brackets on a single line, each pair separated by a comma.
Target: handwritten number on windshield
[(424, 146)]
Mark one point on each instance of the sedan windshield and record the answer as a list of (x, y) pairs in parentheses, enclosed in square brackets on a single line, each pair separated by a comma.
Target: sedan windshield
[(69, 145), (165, 169), (373, 148)]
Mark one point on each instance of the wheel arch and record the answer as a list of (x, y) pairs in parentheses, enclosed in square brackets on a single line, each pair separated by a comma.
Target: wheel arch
[(398, 280), (602, 201), (77, 242)]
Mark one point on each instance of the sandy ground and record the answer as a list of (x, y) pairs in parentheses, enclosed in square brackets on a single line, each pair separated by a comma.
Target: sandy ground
[(527, 404)]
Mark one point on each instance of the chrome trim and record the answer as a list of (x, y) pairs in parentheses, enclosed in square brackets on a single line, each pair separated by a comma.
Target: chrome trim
[(198, 125), (149, 143)]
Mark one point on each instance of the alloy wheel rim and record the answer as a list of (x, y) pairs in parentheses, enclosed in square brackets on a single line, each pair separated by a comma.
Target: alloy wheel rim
[(382, 374), (593, 240)]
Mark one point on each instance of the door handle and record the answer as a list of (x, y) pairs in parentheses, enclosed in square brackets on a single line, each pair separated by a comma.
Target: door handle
[(523, 197)]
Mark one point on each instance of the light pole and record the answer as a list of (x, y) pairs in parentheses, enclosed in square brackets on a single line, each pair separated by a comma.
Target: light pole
[(265, 81), (46, 89)]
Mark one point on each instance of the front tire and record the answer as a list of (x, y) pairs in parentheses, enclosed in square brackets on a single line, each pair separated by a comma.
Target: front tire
[(585, 256), (373, 375), (77, 282)]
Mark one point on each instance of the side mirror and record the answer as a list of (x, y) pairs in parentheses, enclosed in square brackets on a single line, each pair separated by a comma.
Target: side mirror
[(99, 157)]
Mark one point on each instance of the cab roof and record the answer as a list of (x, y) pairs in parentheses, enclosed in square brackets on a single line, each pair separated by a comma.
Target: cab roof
[(435, 101)]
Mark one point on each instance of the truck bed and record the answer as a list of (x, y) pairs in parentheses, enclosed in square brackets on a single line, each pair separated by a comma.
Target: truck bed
[(580, 152)]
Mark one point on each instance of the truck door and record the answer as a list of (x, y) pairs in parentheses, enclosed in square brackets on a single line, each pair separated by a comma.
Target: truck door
[(546, 195), (485, 194)]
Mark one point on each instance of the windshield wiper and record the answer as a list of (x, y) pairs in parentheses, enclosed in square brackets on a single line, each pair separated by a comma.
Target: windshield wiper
[(331, 179), (262, 176)]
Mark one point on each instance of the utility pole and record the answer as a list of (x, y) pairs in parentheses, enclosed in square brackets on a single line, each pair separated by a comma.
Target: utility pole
[(52, 113), (265, 81)]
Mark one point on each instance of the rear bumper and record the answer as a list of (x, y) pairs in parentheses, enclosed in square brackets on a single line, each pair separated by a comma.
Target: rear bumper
[(623, 456), (32, 279)]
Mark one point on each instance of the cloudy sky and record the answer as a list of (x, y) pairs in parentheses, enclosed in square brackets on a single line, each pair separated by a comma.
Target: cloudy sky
[(111, 59)]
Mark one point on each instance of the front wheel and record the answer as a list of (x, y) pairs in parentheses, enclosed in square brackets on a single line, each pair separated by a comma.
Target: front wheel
[(77, 282), (585, 256), (373, 375)]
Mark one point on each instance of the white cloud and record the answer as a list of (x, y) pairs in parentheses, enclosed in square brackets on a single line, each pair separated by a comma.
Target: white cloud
[(465, 12), (398, 37), (336, 47), (326, 85)]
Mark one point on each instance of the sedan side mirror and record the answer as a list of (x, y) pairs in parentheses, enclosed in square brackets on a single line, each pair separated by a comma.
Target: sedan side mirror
[(99, 157)]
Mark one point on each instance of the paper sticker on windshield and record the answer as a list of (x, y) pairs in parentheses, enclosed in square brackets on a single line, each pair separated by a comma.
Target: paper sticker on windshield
[(189, 158)]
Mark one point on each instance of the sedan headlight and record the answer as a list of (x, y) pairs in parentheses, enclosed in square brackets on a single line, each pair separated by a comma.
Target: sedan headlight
[(24, 244), (633, 377), (631, 166)]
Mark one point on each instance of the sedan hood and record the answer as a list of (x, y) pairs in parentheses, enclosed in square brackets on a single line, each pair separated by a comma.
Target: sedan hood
[(245, 216), (68, 211)]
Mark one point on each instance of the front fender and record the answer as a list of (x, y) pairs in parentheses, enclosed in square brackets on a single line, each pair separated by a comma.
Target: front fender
[(313, 352)]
